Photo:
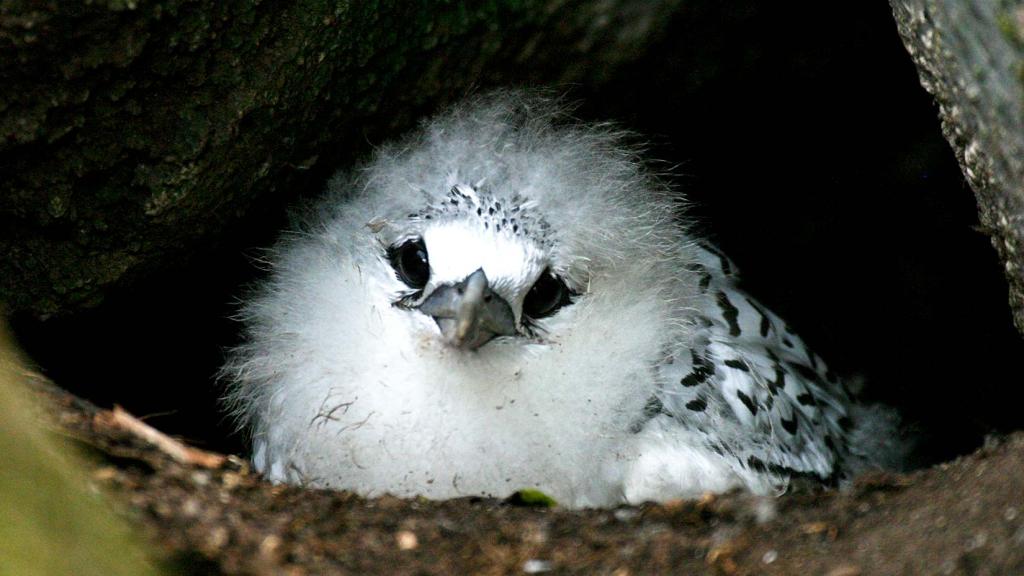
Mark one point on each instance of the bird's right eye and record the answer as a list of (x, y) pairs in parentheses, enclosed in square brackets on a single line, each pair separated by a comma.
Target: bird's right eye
[(409, 259), (548, 294)]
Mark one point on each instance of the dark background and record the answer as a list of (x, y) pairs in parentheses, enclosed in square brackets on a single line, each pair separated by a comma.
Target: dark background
[(810, 154)]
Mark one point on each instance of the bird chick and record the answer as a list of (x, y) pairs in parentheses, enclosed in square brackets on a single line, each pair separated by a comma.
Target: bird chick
[(508, 299)]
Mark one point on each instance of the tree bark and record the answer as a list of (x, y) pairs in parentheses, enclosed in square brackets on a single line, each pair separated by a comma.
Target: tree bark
[(970, 56), (131, 131)]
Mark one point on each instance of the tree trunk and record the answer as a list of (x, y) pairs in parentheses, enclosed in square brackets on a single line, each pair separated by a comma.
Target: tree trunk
[(132, 131), (970, 56)]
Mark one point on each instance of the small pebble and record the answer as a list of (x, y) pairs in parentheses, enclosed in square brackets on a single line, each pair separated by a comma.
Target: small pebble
[(625, 514), (270, 544), (977, 541), (770, 556), (534, 566), (407, 540), (191, 508), (1010, 513), (217, 538)]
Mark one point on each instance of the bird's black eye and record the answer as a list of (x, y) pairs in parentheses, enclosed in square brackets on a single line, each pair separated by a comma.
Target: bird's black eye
[(409, 260), (549, 293)]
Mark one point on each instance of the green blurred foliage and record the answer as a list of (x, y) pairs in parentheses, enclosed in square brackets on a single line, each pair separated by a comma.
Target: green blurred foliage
[(51, 520)]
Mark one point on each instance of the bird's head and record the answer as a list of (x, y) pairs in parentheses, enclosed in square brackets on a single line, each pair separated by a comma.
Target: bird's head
[(502, 225), (480, 266)]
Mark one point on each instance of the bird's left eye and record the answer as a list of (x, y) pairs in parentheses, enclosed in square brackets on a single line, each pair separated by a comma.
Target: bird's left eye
[(410, 262), (549, 293)]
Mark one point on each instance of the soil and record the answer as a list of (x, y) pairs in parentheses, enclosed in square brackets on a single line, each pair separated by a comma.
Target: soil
[(962, 517)]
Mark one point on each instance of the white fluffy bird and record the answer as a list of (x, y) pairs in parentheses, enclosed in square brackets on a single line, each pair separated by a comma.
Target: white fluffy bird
[(506, 300)]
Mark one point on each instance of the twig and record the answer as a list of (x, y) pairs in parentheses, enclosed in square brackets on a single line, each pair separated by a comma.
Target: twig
[(120, 418)]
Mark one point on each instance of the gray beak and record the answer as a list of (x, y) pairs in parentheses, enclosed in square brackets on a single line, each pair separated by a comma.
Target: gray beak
[(469, 313)]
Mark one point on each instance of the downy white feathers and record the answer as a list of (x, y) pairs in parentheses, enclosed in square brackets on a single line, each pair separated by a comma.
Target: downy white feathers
[(506, 300)]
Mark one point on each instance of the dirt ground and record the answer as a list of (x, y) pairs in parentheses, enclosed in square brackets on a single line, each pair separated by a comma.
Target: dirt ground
[(963, 517)]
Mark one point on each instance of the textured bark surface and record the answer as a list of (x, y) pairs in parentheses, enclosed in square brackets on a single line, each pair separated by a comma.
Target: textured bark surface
[(133, 131), (970, 55)]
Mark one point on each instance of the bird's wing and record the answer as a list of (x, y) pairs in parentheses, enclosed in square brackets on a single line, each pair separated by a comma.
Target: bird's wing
[(755, 386)]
